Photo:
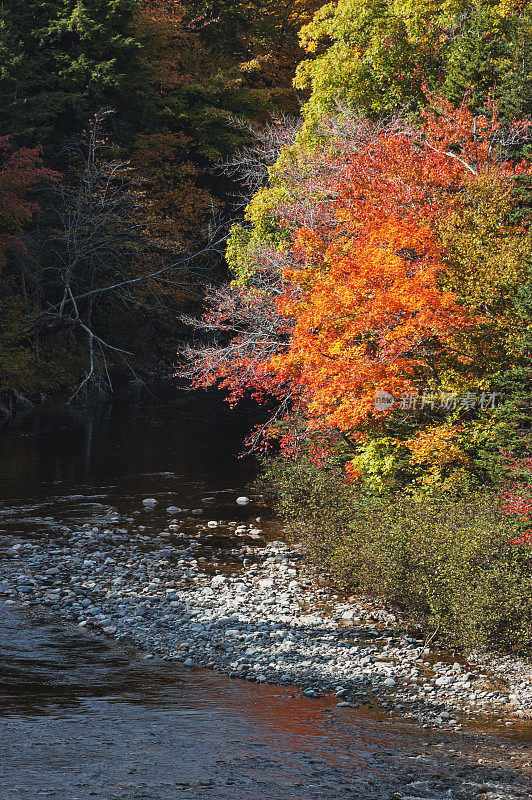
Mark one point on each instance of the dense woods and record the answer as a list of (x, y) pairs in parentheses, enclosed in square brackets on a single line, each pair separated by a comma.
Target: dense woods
[(347, 191), (131, 105)]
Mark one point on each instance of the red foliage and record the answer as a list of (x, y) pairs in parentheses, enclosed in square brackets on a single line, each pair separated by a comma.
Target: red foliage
[(516, 500), (20, 172)]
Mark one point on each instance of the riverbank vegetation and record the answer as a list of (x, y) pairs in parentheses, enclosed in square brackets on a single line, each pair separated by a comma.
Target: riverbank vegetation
[(381, 295)]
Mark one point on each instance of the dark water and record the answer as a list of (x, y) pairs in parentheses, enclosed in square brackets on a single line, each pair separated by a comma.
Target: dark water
[(60, 464), (82, 718)]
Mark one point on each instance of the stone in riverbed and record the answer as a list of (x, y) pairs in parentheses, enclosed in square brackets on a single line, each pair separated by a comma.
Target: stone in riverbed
[(243, 501), (150, 502)]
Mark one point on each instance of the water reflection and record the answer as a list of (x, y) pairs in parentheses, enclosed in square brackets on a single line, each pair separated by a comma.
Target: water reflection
[(66, 465), (85, 718)]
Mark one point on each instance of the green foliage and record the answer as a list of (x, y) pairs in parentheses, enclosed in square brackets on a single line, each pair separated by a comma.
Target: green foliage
[(183, 79), (449, 562), (16, 357), (61, 60), (262, 226), (376, 56)]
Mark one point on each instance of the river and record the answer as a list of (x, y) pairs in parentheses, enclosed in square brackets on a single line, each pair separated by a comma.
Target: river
[(82, 717)]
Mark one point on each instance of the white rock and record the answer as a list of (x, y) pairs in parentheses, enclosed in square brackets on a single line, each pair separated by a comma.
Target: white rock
[(150, 502), (110, 630), (243, 501), (212, 523), (389, 683)]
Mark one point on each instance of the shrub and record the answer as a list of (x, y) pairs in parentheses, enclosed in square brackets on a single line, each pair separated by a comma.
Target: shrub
[(449, 562)]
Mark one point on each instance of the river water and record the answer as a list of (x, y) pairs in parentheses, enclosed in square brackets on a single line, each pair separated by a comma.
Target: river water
[(85, 718)]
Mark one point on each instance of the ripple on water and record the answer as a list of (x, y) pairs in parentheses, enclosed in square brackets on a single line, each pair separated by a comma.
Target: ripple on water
[(83, 717)]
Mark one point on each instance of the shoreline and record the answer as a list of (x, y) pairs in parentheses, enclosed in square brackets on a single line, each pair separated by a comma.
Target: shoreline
[(261, 618)]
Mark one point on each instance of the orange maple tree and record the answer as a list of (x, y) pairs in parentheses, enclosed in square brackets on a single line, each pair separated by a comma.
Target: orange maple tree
[(365, 291), (360, 293)]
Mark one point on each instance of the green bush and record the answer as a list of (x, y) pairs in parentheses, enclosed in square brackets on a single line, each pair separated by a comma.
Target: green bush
[(447, 561)]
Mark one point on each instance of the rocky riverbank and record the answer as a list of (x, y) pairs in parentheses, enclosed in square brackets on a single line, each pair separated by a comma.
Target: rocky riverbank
[(217, 594)]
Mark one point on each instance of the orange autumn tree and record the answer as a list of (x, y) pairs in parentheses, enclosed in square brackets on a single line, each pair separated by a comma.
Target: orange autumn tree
[(369, 316), (366, 293), (359, 275)]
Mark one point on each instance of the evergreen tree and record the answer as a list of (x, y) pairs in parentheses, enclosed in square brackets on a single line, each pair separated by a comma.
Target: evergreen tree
[(62, 59)]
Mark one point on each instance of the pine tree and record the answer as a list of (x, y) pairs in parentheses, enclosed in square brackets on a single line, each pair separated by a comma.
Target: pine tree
[(62, 59)]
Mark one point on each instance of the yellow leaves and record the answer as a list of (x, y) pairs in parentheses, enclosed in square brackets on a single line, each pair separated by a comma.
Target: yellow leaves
[(437, 446), (509, 8), (485, 253)]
